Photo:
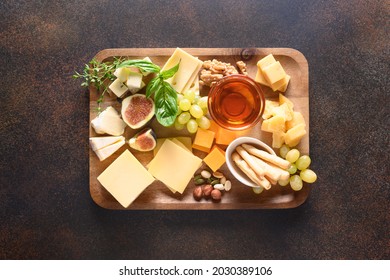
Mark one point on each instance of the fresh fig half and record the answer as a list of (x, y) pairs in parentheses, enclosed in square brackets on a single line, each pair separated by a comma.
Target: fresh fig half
[(137, 110), (144, 140)]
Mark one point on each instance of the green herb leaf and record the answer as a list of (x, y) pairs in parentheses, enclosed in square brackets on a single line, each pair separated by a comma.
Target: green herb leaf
[(165, 99), (143, 65), (170, 72), (152, 86)]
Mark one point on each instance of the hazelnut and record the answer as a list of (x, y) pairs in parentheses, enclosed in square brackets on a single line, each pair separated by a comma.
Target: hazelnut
[(207, 189), (198, 193), (216, 195)]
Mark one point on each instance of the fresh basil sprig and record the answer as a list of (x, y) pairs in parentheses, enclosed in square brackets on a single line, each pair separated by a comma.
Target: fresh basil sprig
[(165, 96), (143, 65)]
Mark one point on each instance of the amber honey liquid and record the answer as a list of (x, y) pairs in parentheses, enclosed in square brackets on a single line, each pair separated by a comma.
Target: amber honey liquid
[(236, 106)]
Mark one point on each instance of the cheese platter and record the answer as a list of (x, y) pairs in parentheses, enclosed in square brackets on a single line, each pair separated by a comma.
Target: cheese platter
[(149, 185)]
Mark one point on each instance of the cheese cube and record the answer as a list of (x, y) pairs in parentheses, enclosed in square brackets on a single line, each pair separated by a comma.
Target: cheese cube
[(203, 140), (260, 77), (188, 69), (296, 120), (283, 88), (283, 99), (224, 136), (274, 124), (283, 110), (174, 166), (294, 135), (144, 72), (277, 139), (215, 159), (126, 178), (268, 109), (274, 72), (122, 73), (118, 88), (266, 61), (282, 84), (134, 82)]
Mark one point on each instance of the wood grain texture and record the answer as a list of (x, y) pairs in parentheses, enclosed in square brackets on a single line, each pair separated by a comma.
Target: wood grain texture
[(157, 195)]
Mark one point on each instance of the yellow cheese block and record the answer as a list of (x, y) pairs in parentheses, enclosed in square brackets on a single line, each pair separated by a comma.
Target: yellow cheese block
[(174, 166), (266, 61), (274, 72), (274, 124), (294, 135), (188, 69), (215, 159), (296, 120), (184, 142), (283, 110), (283, 88), (269, 107), (283, 99), (282, 84), (203, 140), (126, 178)]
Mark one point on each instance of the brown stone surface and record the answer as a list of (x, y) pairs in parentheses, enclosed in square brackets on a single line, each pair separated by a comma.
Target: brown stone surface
[(45, 206)]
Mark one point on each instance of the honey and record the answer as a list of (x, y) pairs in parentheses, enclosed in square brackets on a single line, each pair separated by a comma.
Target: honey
[(236, 102)]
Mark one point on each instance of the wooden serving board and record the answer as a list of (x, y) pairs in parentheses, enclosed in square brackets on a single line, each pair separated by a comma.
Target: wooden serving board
[(157, 195)]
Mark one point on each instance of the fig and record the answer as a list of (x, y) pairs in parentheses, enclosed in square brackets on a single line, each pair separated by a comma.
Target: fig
[(144, 140), (137, 110)]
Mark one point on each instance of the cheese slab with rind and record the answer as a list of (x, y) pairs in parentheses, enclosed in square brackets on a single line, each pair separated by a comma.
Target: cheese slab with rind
[(97, 143), (125, 178)]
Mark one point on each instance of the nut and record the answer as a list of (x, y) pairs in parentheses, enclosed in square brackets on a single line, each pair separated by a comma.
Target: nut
[(242, 67), (207, 189), (215, 70), (219, 187), (217, 174), (216, 195), (199, 181), (205, 174), (223, 180), (228, 185), (198, 193)]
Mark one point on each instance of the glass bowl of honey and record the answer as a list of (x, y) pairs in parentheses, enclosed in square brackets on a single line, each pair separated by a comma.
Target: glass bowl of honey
[(236, 102)]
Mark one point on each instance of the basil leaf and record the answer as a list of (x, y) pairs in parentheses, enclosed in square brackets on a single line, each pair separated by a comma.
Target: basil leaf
[(152, 86), (165, 99), (170, 72), (143, 65)]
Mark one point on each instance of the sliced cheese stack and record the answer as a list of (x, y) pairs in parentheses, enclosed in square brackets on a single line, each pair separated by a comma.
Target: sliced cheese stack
[(109, 122), (106, 146), (285, 124), (187, 75), (271, 74), (174, 166), (125, 179)]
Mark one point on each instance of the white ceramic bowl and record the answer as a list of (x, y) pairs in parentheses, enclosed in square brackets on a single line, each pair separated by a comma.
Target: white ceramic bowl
[(234, 169)]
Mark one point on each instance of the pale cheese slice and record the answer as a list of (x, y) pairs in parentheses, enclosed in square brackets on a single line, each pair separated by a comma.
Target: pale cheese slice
[(186, 73), (174, 166), (107, 151), (97, 143), (126, 178), (191, 82)]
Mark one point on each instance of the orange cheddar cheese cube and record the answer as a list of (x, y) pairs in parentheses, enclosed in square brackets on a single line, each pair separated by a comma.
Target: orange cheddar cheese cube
[(203, 140), (215, 159)]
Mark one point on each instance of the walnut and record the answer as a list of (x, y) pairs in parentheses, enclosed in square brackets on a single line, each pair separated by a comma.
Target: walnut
[(242, 67), (215, 70)]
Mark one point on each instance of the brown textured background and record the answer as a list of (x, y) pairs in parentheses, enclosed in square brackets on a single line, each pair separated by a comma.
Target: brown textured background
[(45, 207)]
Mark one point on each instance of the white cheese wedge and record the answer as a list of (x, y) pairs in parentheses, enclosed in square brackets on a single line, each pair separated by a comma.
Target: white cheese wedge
[(118, 88), (107, 151), (174, 166), (125, 179), (189, 67), (97, 143), (144, 72), (109, 122)]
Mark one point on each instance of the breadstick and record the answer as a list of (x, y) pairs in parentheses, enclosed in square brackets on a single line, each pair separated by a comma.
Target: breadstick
[(278, 161), (244, 167), (249, 160), (271, 171)]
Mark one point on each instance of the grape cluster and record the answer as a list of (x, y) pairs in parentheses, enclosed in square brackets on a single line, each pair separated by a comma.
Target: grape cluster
[(192, 112), (299, 169)]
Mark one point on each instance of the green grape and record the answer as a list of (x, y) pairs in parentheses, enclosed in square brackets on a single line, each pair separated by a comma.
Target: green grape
[(257, 190), (203, 122), (196, 100), (196, 111), (303, 162), (192, 126), (296, 182), (203, 102), (292, 169), (184, 117), (308, 176), (292, 155), (185, 104), (284, 183), (179, 98), (178, 125), (284, 150), (190, 95), (178, 111)]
